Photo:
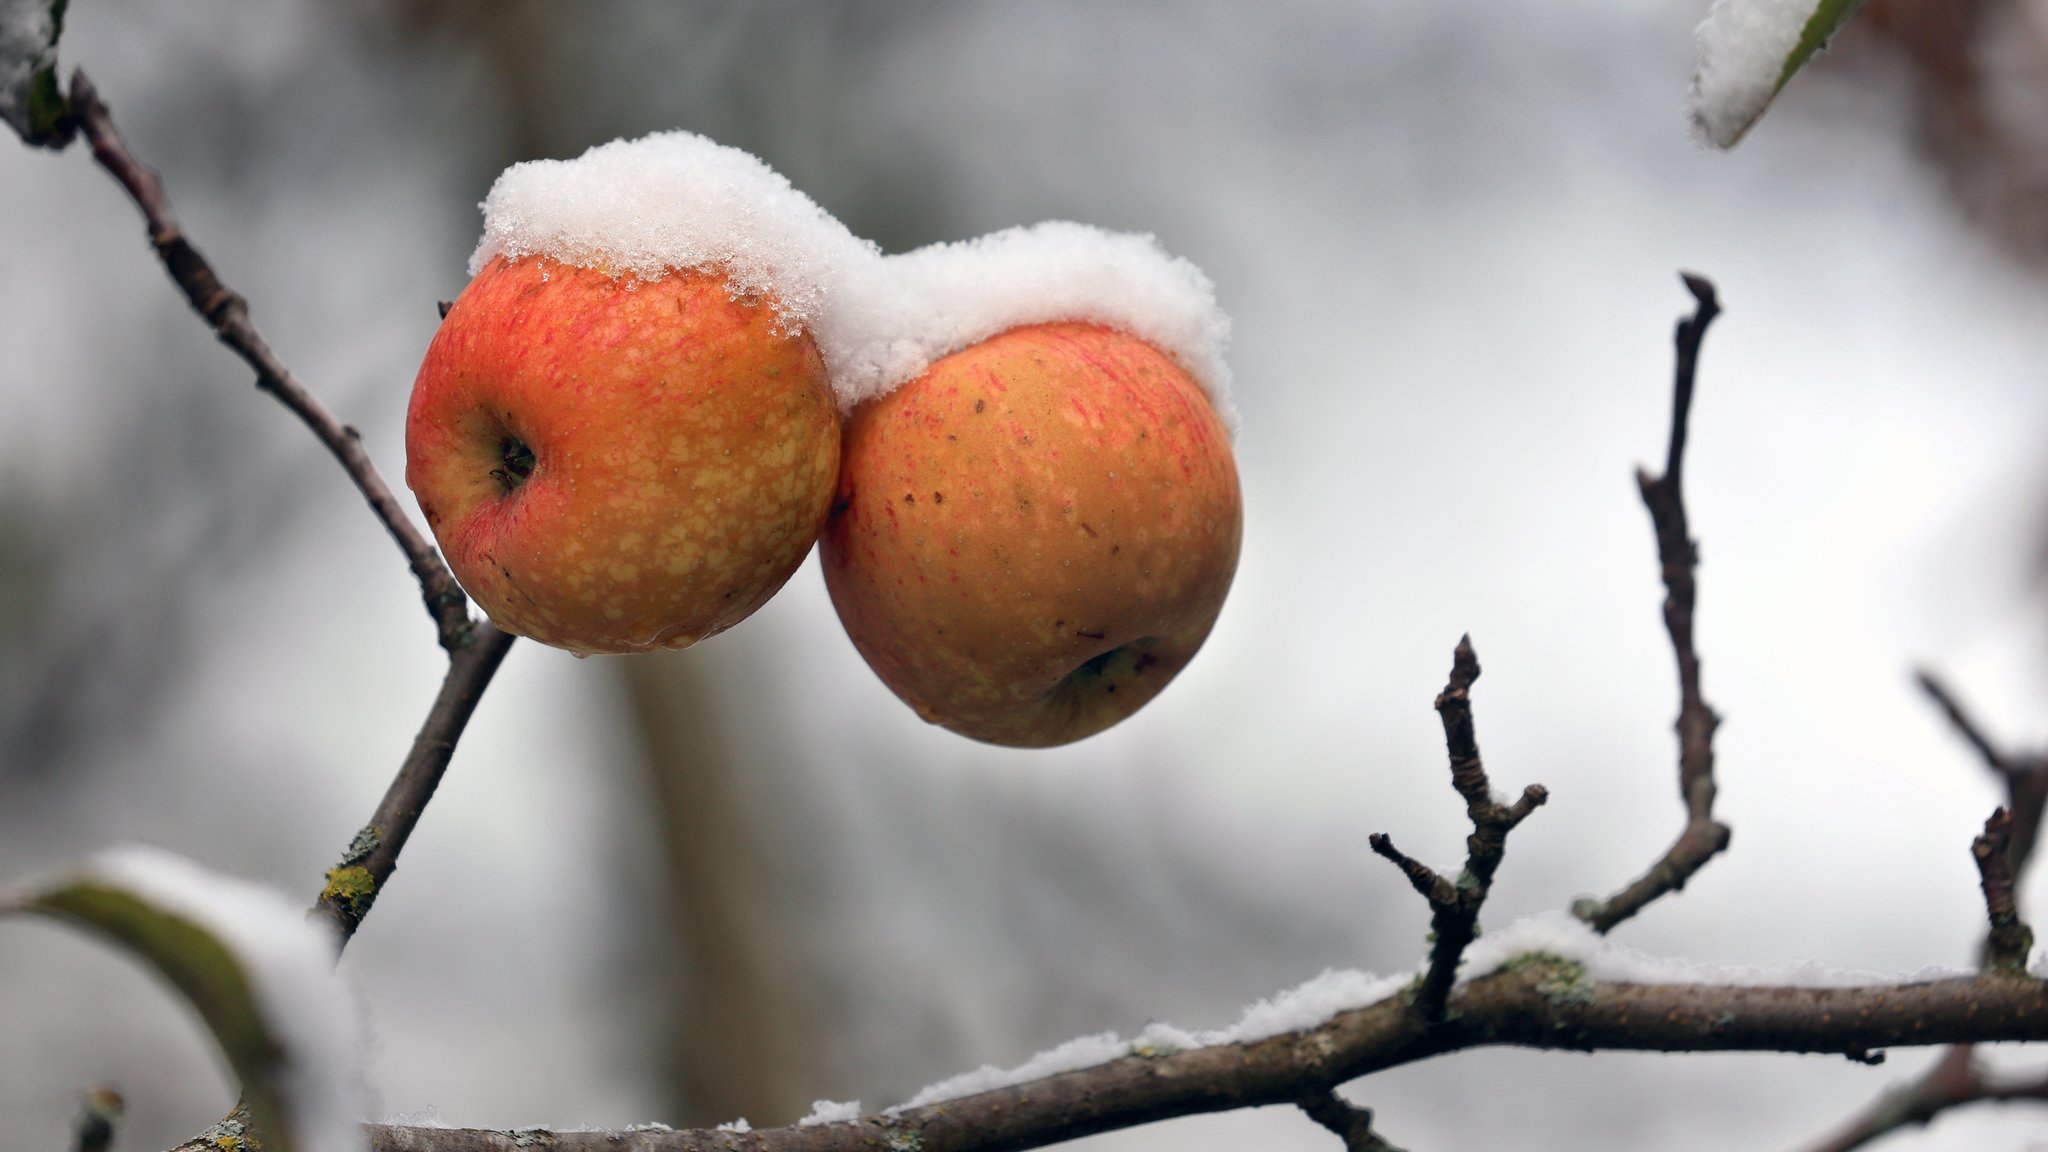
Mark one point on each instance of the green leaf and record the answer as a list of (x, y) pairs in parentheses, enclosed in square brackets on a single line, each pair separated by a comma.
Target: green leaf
[(30, 100), (258, 973), (1827, 19), (1748, 51)]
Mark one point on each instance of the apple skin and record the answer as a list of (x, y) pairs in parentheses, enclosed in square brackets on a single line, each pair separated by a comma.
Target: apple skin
[(683, 449), (1029, 540)]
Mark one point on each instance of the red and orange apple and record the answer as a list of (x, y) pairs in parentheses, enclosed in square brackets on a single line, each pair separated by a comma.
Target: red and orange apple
[(1030, 539), (615, 464)]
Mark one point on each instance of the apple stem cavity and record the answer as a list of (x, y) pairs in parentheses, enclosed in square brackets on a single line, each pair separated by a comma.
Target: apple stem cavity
[(517, 459)]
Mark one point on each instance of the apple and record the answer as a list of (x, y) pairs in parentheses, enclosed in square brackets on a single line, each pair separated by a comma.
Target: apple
[(1032, 538), (618, 464)]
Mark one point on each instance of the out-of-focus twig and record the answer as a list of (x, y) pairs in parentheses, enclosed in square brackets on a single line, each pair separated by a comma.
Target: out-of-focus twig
[(2002, 854), (100, 1111), (1454, 906), (1352, 1124), (2010, 940), (1703, 836), (228, 314)]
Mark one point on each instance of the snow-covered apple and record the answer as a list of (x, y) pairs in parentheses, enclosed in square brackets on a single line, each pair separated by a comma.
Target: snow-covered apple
[(616, 465), (1036, 534)]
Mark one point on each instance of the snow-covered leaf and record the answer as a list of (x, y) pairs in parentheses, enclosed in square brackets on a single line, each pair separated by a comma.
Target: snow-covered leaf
[(1748, 49), (258, 971), (29, 100)]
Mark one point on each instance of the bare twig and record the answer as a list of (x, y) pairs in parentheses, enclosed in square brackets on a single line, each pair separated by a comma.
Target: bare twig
[(100, 1111), (1539, 1002), (2010, 940), (2025, 776), (1352, 1124), (1703, 837), (1454, 907), (1957, 1079), (475, 649), (353, 885), (228, 314)]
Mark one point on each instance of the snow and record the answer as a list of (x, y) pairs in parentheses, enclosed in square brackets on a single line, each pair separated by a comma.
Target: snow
[(1743, 46), (288, 960), (675, 200), (27, 46), (1335, 991), (740, 1125), (828, 1112)]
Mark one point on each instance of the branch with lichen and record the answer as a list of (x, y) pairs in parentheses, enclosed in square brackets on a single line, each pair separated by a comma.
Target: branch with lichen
[(475, 647), (1454, 905)]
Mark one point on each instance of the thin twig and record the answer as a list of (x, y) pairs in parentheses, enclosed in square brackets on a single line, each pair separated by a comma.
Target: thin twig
[(1454, 907), (354, 884), (228, 314), (1703, 837), (1352, 1124), (2025, 776), (2008, 943), (1957, 1079), (100, 1111), (1544, 1003)]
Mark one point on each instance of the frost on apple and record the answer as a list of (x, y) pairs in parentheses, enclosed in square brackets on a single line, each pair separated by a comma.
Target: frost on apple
[(677, 201), (260, 973), (1748, 50)]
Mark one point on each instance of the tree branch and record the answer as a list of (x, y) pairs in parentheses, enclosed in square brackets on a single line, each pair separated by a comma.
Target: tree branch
[(2010, 940), (1703, 837), (2002, 854), (1541, 1002), (1454, 907), (1352, 1124), (228, 314), (354, 884), (475, 648)]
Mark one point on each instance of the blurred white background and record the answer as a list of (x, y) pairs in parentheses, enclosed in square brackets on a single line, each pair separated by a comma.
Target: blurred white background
[(1448, 235)]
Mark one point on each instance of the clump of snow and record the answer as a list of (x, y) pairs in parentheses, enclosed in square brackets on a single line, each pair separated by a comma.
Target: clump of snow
[(945, 297), (289, 963), (644, 208), (829, 1112), (28, 44), (1744, 47), (739, 1125), (1563, 935), (670, 201)]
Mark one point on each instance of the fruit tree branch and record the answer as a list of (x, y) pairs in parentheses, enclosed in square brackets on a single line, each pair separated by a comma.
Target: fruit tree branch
[(1538, 1002), (2010, 940), (228, 314), (1352, 1124), (1454, 907), (1957, 1079), (353, 884), (1703, 837)]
